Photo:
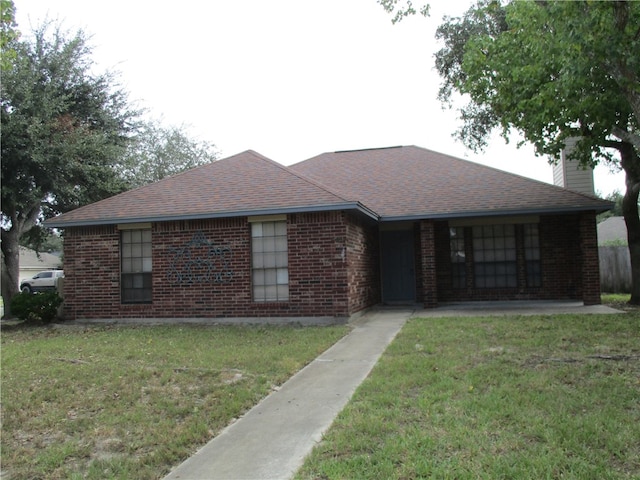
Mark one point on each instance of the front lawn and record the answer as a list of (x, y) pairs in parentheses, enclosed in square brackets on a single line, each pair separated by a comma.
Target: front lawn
[(495, 398), (130, 403)]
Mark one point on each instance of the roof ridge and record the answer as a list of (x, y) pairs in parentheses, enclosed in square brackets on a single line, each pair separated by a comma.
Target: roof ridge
[(367, 149), (302, 177)]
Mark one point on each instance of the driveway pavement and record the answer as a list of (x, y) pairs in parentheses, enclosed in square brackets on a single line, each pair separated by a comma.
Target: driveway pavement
[(272, 439)]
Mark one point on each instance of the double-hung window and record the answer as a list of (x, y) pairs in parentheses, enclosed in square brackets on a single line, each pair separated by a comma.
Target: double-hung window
[(501, 256), (494, 254), (135, 258), (269, 261)]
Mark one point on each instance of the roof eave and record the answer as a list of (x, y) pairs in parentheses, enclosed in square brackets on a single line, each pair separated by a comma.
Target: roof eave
[(202, 216), (497, 213)]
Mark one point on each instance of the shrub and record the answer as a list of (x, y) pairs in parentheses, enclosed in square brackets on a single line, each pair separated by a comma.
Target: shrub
[(618, 242), (39, 307)]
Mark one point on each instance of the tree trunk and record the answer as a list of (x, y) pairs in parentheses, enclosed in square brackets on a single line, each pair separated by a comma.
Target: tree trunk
[(630, 164), (10, 268)]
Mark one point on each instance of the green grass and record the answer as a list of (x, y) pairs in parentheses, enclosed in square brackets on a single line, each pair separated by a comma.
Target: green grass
[(542, 397), (130, 403), (616, 300)]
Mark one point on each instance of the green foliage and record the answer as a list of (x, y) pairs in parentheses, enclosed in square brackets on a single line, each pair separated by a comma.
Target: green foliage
[(615, 300), (551, 70), (41, 239), (36, 308), (64, 133), (8, 33), (615, 197), (402, 9), (620, 242), (64, 129), (157, 152)]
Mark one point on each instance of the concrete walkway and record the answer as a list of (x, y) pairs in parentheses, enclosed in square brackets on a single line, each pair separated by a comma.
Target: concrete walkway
[(521, 307), (273, 438)]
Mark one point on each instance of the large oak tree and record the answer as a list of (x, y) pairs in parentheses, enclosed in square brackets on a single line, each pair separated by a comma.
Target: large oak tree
[(552, 70), (70, 137), (64, 133)]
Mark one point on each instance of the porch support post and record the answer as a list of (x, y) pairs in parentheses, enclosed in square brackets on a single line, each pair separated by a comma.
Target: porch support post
[(590, 261), (428, 263)]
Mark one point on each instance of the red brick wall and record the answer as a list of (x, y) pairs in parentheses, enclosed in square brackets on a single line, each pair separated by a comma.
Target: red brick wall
[(91, 267), (590, 260), (569, 263), (317, 267), (325, 249), (428, 274), (363, 264), (333, 268), (560, 249)]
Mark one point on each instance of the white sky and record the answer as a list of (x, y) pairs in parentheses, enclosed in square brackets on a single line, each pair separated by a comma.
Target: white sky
[(289, 79)]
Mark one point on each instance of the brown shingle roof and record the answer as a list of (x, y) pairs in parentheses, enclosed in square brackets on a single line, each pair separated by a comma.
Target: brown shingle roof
[(391, 183), (244, 184), (413, 182)]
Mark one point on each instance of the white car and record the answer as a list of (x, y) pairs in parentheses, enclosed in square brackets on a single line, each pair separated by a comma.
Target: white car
[(46, 281)]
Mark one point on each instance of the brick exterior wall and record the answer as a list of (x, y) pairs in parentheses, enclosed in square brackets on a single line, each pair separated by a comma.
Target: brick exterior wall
[(560, 248), (428, 271), (91, 267), (590, 259), (332, 270), (569, 262), (363, 264), (317, 265)]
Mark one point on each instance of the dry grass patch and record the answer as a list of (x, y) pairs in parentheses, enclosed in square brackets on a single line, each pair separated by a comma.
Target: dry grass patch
[(123, 402)]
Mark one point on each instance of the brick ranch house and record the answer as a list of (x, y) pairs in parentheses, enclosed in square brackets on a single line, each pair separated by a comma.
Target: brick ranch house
[(247, 238)]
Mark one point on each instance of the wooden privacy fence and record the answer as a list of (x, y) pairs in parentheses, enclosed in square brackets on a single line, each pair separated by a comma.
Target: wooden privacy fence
[(615, 269)]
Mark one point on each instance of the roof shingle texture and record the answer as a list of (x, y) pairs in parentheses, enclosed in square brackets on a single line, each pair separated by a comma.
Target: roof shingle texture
[(247, 182), (395, 183), (411, 181)]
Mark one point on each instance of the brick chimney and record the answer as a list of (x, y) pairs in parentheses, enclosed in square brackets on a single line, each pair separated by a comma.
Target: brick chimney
[(570, 174)]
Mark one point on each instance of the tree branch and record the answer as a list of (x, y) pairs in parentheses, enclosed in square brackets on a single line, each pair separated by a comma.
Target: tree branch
[(627, 136)]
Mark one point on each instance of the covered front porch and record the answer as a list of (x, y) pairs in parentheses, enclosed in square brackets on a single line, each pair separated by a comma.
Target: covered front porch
[(490, 259)]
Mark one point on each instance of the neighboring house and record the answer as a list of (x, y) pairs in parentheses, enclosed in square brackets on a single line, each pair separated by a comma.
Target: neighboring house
[(31, 262), (613, 230), (247, 238)]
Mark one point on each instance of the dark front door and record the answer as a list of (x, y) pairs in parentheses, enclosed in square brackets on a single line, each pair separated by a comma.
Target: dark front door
[(398, 266)]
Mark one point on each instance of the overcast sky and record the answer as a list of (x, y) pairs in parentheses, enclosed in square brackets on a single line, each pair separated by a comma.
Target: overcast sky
[(289, 79)]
